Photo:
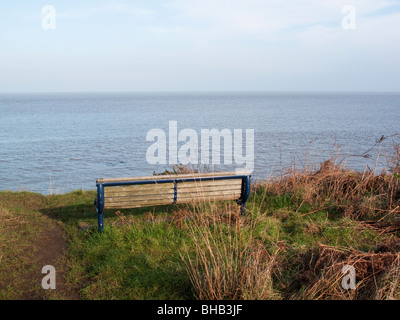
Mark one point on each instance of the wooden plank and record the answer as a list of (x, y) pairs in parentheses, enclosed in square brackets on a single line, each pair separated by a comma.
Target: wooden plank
[(163, 177), (209, 193), (193, 187), (205, 199), (227, 182), (210, 189), (139, 190), (157, 186), (139, 198), (135, 204), (138, 194)]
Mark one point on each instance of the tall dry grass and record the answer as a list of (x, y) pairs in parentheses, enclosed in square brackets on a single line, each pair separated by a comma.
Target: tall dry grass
[(377, 275), (365, 194), (228, 264)]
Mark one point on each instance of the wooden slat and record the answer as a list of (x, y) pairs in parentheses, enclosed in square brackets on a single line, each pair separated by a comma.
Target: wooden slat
[(138, 198), (147, 189), (138, 194), (163, 177), (127, 205), (205, 199), (201, 184), (157, 186), (135, 204), (208, 193), (210, 189)]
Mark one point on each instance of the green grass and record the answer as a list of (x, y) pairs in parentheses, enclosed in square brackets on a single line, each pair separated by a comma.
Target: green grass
[(140, 262)]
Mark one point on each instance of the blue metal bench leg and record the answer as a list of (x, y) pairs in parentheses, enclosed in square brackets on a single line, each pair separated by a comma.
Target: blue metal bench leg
[(100, 206), (100, 220), (245, 194), (243, 209)]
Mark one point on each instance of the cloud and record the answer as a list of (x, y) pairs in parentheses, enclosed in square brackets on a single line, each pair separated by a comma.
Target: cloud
[(268, 20), (113, 7)]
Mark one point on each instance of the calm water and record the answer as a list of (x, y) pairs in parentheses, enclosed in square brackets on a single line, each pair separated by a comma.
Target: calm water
[(62, 142)]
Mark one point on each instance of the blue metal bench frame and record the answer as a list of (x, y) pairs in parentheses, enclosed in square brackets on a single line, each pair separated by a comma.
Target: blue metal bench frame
[(99, 202)]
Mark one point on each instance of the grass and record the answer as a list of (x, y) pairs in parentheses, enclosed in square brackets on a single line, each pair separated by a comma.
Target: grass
[(299, 231), (134, 263)]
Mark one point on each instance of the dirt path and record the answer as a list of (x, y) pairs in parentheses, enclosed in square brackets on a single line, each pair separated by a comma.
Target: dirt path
[(30, 240), (50, 249)]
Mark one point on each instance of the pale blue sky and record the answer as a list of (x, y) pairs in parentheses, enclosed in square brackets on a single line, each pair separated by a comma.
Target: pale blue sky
[(200, 45)]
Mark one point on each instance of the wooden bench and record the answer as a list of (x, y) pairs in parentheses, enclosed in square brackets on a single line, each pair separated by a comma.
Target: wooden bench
[(124, 193)]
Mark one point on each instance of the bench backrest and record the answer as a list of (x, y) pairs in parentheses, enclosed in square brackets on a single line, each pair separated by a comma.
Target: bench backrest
[(135, 192)]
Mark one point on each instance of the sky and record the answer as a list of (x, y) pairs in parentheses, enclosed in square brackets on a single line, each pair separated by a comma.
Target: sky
[(200, 45)]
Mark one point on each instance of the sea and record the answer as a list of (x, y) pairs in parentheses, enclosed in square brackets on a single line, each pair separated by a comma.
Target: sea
[(60, 142)]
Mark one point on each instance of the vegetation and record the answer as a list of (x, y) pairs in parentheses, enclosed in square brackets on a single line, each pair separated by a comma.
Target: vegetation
[(300, 230)]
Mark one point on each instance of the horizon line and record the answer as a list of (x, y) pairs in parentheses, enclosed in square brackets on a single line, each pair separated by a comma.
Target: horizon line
[(207, 92)]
